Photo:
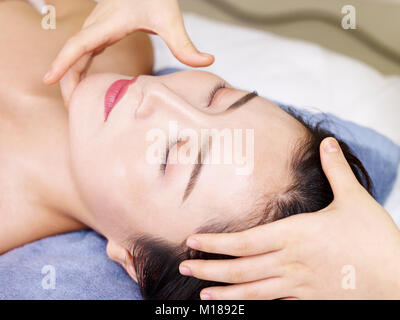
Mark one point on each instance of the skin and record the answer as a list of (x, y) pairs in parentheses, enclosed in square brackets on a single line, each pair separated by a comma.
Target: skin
[(65, 173), (87, 173), (113, 20), (34, 123), (128, 195), (292, 262)]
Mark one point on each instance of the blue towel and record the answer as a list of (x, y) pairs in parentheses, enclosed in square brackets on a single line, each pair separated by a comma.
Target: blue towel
[(75, 265), (68, 266)]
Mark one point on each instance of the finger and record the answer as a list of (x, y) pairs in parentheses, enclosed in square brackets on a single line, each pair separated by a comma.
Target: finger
[(68, 83), (266, 289), (86, 41), (261, 239), (182, 47), (73, 76), (340, 176), (234, 270)]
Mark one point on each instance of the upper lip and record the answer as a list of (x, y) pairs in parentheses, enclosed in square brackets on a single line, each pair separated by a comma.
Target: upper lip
[(114, 94)]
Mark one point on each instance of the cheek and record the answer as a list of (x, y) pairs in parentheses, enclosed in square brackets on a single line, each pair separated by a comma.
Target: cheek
[(97, 172), (113, 181), (103, 184)]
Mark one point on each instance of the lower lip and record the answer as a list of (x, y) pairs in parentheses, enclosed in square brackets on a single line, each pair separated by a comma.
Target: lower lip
[(114, 94)]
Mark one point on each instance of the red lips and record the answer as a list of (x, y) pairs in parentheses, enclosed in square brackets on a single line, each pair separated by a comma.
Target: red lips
[(114, 94)]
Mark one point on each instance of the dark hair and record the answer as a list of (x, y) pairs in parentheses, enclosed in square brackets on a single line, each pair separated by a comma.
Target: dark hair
[(157, 261)]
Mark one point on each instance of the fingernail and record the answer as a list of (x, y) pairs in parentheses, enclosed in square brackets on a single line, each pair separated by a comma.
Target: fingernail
[(184, 270), (47, 75), (331, 145), (205, 296), (205, 55), (192, 243)]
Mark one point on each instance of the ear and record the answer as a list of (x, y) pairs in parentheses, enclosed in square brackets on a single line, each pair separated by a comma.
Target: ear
[(120, 254)]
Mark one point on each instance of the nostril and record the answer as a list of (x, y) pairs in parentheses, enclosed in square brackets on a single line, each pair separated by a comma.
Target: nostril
[(157, 97), (138, 102), (151, 98)]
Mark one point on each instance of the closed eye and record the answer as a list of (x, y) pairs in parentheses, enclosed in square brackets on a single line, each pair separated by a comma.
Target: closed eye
[(240, 102), (164, 160), (215, 89)]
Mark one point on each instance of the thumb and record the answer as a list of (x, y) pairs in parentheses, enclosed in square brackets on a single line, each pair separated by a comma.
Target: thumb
[(336, 168), (178, 41)]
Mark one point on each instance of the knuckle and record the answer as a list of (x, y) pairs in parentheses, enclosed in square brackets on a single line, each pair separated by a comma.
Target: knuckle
[(244, 245), (293, 268), (203, 270), (219, 293), (253, 293), (280, 259), (186, 44), (295, 253), (337, 165), (68, 50), (235, 276), (196, 268), (291, 244), (210, 244), (84, 47), (73, 41), (159, 23), (300, 283), (76, 44)]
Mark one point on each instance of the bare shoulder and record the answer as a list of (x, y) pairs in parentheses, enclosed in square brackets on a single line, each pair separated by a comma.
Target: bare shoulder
[(27, 49), (20, 228), (22, 217)]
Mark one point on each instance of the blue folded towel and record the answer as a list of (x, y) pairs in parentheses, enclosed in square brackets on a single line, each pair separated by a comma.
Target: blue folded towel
[(74, 265)]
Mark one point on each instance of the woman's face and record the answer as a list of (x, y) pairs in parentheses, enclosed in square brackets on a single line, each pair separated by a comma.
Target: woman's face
[(130, 193)]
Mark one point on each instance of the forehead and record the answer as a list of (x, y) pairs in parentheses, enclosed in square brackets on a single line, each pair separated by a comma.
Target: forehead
[(278, 135), (223, 192)]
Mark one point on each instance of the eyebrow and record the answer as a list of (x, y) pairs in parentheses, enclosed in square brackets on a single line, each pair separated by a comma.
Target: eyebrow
[(199, 165), (240, 102)]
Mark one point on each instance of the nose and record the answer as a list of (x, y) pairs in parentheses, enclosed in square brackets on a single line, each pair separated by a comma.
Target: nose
[(159, 100)]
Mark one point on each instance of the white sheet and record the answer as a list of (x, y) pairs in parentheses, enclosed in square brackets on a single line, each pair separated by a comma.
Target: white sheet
[(299, 73)]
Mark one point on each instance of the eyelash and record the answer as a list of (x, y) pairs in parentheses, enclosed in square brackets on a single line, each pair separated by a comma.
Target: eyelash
[(220, 85), (163, 165)]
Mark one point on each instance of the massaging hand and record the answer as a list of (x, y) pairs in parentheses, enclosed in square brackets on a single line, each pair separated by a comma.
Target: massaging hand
[(112, 20), (353, 243)]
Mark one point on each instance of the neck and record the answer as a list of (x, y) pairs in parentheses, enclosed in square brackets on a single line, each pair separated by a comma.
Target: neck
[(46, 166), (61, 195)]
